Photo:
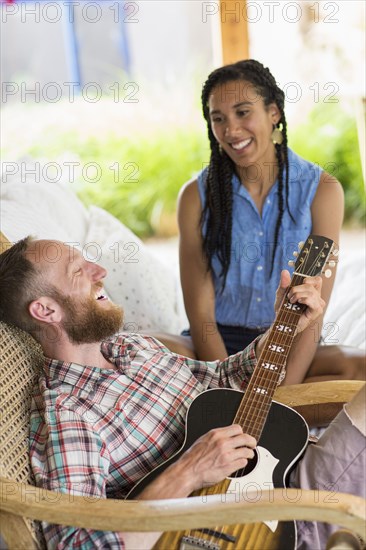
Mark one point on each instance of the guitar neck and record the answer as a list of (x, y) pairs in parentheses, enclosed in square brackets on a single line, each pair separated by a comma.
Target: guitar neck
[(253, 411)]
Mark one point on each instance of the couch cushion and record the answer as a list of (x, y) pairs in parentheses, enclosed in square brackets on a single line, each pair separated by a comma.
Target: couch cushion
[(145, 286), (42, 209)]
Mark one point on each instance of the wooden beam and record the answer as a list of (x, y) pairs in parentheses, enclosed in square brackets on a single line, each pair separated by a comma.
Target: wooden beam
[(4, 242), (178, 514), (234, 30)]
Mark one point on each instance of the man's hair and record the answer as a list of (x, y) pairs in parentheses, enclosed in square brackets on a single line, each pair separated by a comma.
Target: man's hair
[(20, 284)]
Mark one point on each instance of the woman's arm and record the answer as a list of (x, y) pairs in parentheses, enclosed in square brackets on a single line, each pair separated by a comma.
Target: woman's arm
[(196, 281), (327, 217)]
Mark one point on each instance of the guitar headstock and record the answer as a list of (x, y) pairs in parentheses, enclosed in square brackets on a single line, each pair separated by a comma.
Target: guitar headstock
[(314, 255)]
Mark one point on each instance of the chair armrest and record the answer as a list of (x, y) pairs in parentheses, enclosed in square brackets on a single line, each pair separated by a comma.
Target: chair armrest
[(177, 514), (331, 391), (318, 402)]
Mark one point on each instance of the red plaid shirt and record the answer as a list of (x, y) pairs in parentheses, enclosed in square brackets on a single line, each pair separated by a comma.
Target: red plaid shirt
[(98, 431)]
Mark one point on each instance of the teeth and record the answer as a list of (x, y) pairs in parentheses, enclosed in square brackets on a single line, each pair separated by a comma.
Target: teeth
[(99, 294), (241, 144)]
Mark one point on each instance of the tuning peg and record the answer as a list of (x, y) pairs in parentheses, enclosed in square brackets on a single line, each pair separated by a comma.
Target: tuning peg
[(295, 254), (291, 263), (327, 273), (335, 252), (331, 263), (301, 244)]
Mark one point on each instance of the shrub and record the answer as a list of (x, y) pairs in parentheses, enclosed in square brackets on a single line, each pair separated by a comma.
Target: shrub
[(329, 138)]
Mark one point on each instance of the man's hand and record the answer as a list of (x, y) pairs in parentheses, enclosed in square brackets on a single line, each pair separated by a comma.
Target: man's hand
[(216, 455), (307, 293)]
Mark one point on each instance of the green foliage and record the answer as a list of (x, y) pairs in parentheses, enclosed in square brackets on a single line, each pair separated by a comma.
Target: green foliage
[(139, 177), (151, 171), (329, 138), (141, 163)]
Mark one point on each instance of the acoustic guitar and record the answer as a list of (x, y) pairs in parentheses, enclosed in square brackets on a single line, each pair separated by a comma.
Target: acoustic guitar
[(281, 433)]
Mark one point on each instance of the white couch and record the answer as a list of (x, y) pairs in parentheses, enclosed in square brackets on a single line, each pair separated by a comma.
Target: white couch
[(146, 286)]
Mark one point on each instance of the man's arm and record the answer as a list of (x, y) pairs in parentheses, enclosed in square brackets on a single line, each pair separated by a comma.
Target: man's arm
[(235, 371), (68, 456)]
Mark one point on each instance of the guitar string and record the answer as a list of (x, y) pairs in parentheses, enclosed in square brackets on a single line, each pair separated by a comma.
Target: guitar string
[(287, 317), (284, 317), (263, 375), (260, 375), (264, 407), (270, 379)]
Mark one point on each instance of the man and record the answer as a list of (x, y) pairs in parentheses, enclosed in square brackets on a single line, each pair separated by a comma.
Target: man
[(110, 407)]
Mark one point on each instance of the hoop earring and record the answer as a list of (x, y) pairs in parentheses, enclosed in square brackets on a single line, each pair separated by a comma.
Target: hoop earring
[(277, 136)]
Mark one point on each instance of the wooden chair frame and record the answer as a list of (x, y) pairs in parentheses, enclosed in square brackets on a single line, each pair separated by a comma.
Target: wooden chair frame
[(20, 500)]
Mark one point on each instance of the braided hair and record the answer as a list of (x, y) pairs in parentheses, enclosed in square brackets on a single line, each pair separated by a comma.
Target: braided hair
[(218, 210)]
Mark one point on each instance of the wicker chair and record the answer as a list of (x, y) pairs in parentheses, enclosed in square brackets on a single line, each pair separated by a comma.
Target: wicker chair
[(22, 505)]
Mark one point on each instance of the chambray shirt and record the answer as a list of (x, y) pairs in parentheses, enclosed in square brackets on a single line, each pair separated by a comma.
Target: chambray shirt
[(249, 294), (96, 431)]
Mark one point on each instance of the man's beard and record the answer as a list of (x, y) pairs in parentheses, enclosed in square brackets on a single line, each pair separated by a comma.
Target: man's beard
[(86, 322)]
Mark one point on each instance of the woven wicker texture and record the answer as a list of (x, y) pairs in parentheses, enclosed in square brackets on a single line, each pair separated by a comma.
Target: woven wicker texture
[(20, 361)]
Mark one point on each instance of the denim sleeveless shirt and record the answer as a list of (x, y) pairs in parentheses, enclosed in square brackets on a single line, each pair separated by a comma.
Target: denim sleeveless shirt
[(249, 294)]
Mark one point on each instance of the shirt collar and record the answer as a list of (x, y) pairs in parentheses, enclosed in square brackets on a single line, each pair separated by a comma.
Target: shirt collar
[(115, 349), (240, 190)]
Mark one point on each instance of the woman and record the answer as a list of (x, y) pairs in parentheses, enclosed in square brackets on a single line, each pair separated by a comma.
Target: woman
[(243, 216)]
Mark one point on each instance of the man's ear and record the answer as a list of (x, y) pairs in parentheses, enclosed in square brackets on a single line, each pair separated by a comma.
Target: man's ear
[(46, 310)]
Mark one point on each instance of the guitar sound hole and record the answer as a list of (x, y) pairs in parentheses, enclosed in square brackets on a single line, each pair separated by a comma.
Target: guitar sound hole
[(248, 468)]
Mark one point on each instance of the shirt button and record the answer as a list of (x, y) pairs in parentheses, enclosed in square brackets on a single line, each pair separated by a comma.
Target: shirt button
[(260, 233), (259, 299), (268, 201), (259, 268)]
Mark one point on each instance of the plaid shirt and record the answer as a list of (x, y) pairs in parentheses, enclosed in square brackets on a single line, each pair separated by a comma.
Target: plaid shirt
[(98, 431)]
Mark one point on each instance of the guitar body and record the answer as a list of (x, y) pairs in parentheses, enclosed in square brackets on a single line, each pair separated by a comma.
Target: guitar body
[(281, 444)]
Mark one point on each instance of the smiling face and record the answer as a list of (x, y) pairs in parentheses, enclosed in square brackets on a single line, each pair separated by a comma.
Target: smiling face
[(85, 321), (242, 124), (76, 298)]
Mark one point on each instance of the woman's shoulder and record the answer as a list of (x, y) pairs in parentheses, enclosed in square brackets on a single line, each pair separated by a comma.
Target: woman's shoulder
[(330, 186), (299, 161), (189, 189), (189, 197), (314, 169), (193, 191)]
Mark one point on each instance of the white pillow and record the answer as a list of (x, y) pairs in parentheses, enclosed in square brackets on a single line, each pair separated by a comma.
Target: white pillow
[(345, 318), (137, 280), (42, 209)]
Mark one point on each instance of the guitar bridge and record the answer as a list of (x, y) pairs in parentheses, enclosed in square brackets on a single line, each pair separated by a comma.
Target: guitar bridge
[(195, 543)]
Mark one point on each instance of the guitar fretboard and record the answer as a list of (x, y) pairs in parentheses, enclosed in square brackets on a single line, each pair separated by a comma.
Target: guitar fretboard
[(253, 411)]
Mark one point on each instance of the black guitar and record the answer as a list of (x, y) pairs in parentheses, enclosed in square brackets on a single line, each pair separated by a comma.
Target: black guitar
[(282, 433)]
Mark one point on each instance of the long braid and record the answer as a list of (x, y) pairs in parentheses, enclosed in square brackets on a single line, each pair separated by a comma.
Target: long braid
[(283, 166), (280, 201), (219, 198), (217, 213)]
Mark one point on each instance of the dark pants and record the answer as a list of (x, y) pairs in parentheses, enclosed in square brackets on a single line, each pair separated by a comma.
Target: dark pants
[(235, 338)]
